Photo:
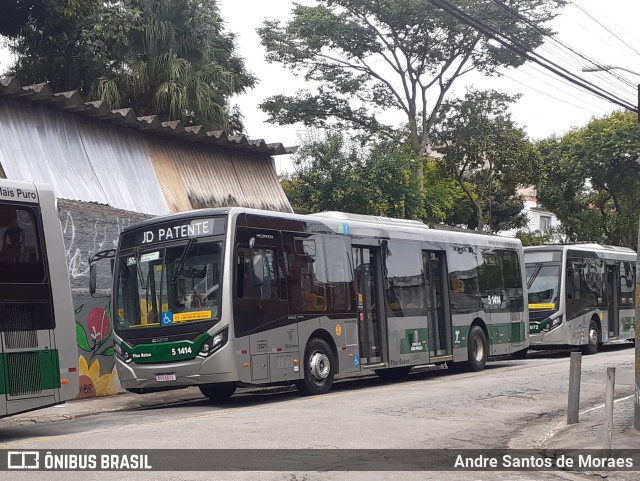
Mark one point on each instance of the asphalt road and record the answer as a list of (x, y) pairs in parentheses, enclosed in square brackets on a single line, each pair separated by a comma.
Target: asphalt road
[(512, 404)]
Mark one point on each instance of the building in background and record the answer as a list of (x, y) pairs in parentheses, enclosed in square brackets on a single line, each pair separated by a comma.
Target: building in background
[(540, 220)]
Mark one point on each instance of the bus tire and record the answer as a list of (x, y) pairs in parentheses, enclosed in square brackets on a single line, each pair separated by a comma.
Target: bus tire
[(593, 339), (319, 368), (477, 349), (393, 373), (218, 393), (520, 354)]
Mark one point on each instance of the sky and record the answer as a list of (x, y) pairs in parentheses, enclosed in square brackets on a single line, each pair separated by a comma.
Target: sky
[(605, 31), (548, 105)]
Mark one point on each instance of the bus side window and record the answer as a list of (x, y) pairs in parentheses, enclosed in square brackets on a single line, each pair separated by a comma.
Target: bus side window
[(257, 274)]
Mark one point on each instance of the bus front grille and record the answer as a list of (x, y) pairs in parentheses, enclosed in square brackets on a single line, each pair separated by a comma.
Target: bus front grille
[(23, 373)]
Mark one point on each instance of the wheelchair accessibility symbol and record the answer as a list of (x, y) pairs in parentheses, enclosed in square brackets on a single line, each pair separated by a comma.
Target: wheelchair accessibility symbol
[(356, 360), (167, 318)]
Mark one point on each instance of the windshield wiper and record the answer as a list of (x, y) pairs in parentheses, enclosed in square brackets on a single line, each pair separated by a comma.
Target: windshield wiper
[(141, 281), (534, 274), (180, 261)]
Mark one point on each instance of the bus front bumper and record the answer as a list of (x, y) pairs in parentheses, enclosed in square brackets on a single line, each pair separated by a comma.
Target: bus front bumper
[(143, 377)]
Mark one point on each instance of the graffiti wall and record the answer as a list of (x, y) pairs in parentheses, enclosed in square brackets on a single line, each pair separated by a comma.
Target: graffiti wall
[(89, 228)]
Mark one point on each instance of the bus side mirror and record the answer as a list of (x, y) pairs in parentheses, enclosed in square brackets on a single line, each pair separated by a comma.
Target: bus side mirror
[(94, 260), (92, 279)]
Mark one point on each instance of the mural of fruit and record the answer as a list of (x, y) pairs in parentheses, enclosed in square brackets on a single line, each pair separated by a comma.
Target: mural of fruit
[(98, 324), (99, 327)]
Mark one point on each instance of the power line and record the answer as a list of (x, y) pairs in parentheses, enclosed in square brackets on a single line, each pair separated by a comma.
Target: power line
[(602, 25), (527, 53), (591, 61), (549, 95)]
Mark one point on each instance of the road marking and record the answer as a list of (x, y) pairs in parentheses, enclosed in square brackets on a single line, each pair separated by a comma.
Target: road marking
[(603, 405), (562, 424)]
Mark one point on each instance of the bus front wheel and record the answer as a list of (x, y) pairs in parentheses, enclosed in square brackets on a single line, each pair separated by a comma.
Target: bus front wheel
[(593, 340), (319, 368), (218, 393)]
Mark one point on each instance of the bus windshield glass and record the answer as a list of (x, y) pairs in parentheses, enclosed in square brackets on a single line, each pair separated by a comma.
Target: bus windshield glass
[(169, 285), (543, 283)]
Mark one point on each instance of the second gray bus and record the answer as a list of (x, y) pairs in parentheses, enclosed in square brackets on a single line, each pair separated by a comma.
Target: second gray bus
[(580, 295)]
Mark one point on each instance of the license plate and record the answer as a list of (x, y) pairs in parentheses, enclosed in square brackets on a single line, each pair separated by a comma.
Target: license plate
[(165, 377)]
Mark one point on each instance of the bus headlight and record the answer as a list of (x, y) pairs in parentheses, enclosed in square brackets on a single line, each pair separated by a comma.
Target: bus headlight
[(554, 323), (214, 343), (122, 353)]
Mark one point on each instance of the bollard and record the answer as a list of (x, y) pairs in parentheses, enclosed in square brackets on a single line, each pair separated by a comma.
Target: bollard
[(575, 366), (608, 406)]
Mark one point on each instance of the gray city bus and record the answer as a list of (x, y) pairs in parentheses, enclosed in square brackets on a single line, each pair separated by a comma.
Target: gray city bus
[(580, 295), (220, 298), (38, 349)]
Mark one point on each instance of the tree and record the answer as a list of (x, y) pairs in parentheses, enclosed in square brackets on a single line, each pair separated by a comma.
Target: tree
[(370, 56), (178, 64), (590, 179), (47, 36), (335, 172), (487, 154), (166, 57)]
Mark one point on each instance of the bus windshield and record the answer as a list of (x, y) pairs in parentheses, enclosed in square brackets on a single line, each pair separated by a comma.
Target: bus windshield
[(169, 285), (543, 283)]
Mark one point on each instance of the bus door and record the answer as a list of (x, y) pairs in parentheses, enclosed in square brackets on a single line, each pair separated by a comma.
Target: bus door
[(369, 303), (260, 305), (439, 317), (613, 290)]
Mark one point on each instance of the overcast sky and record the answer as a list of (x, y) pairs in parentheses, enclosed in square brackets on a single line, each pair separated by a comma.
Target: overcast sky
[(548, 105)]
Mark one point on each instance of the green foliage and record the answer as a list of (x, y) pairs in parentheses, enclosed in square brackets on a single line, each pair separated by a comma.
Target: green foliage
[(166, 57), (489, 157), (335, 172), (538, 238), (370, 56), (590, 179)]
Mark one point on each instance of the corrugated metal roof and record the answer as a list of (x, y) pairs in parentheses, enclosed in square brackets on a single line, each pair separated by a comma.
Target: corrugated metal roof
[(194, 177), (82, 160), (74, 102), (93, 159)]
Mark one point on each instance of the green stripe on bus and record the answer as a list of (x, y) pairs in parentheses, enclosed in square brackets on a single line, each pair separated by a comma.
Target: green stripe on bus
[(498, 334), (165, 351), (46, 363)]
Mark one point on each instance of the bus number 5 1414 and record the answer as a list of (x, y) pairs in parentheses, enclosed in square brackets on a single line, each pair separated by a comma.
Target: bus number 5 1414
[(181, 350)]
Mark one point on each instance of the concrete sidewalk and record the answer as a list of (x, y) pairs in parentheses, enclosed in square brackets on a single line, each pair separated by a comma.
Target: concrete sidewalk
[(589, 433)]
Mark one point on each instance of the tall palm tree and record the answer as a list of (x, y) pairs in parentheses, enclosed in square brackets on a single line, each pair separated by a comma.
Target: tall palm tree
[(177, 63)]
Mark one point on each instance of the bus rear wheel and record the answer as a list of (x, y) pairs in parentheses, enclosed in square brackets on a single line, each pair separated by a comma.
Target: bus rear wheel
[(319, 368), (593, 339), (477, 349), (218, 393)]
